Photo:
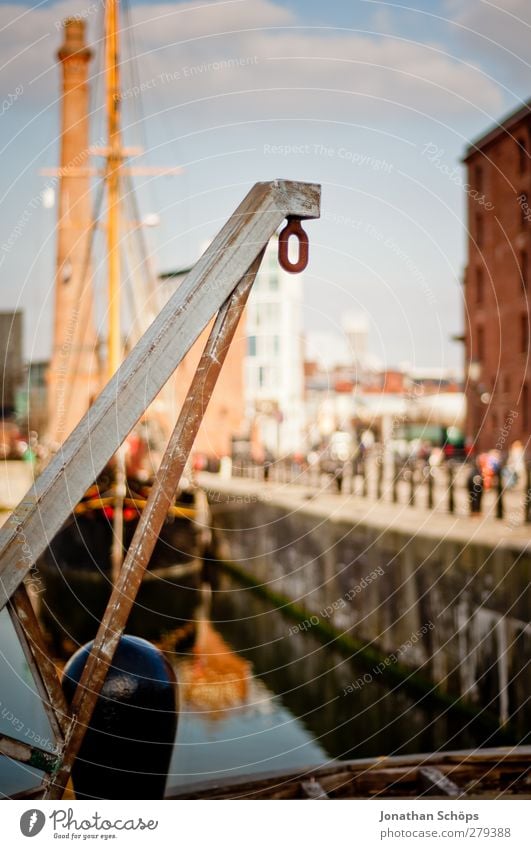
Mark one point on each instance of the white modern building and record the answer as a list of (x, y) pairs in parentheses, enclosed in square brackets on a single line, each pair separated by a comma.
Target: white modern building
[(274, 378), (356, 329)]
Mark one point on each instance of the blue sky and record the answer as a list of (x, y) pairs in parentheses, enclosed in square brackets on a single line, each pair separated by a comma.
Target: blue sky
[(377, 101)]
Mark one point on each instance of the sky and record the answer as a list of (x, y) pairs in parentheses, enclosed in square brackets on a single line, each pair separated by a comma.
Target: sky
[(377, 101)]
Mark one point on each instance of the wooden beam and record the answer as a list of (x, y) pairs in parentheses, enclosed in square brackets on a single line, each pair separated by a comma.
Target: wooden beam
[(42, 667), (142, 375)]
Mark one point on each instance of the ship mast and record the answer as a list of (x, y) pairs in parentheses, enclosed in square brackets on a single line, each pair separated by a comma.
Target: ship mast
[(114, 162), (112, 176)]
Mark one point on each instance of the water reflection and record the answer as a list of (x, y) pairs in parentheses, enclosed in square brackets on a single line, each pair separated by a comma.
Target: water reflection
[(253, 697), (230, 722)]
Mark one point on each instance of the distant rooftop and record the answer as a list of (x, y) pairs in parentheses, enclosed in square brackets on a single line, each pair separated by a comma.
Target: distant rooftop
[(501, 128)]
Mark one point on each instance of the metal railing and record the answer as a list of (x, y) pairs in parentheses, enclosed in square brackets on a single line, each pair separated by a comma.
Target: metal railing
[(444, 488)]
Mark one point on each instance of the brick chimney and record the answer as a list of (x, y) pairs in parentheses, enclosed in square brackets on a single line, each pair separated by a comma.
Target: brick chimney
[(73, 377)]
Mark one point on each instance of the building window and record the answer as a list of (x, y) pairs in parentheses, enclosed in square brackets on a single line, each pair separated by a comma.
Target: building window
[(481, 344), (480, 286), (522, 155), (507, 384), (479, 230), (262, 377), (253, 315), (524, 209), (523, 269), (271, 313), (273, 282), (251, 346), (524, 333), (276, 345)]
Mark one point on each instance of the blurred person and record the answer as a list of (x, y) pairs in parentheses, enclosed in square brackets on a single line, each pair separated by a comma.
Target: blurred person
[(514, 470), (436, 457), (490, 464)]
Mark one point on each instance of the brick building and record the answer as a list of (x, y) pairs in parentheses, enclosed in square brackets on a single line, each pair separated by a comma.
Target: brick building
[(498, 284)]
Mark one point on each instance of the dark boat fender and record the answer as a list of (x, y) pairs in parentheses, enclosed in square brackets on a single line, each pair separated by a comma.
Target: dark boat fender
[(128, 745)]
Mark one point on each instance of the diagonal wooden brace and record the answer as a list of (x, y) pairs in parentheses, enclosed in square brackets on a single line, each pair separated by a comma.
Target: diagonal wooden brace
[(139, 379)]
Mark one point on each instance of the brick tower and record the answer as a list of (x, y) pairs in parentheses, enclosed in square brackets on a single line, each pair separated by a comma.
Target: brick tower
[(73, 374)]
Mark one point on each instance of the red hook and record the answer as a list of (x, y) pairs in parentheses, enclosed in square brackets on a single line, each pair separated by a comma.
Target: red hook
[(293, 228)]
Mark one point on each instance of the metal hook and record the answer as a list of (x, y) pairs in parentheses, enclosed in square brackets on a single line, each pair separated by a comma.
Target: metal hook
[(293, 228)]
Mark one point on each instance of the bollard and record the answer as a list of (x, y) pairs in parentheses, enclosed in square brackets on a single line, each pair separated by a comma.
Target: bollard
[(412, 486), (499, 499), (127, 749), (475, 489), (379, 478), (395, 483), (451, 494), (430, 488)]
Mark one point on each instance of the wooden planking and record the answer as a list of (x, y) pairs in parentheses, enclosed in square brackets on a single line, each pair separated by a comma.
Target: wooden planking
[(144, 372), (386, 777), (432, 782), (312, 790)]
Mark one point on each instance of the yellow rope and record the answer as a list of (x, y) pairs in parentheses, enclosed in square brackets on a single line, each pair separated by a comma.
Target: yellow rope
[(100, 503)]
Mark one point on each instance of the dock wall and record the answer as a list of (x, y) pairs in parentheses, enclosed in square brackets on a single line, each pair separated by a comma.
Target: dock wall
[(456, 612)]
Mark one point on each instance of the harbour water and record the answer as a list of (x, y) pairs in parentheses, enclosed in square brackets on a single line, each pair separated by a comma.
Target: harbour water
[(303, 707), (255, 696)]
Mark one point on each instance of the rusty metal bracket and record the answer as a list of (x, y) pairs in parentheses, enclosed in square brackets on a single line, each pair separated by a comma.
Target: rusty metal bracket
[(293, 228)]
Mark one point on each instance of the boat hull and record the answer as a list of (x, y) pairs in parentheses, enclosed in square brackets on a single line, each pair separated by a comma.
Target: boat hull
[(75, 573)]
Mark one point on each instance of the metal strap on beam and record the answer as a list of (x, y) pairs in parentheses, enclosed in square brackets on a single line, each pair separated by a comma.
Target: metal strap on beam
[(145, 371), (26, 754)]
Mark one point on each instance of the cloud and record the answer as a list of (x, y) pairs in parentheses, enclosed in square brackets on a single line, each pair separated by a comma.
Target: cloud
[(497, 33), (209, 50), (315, 61)]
